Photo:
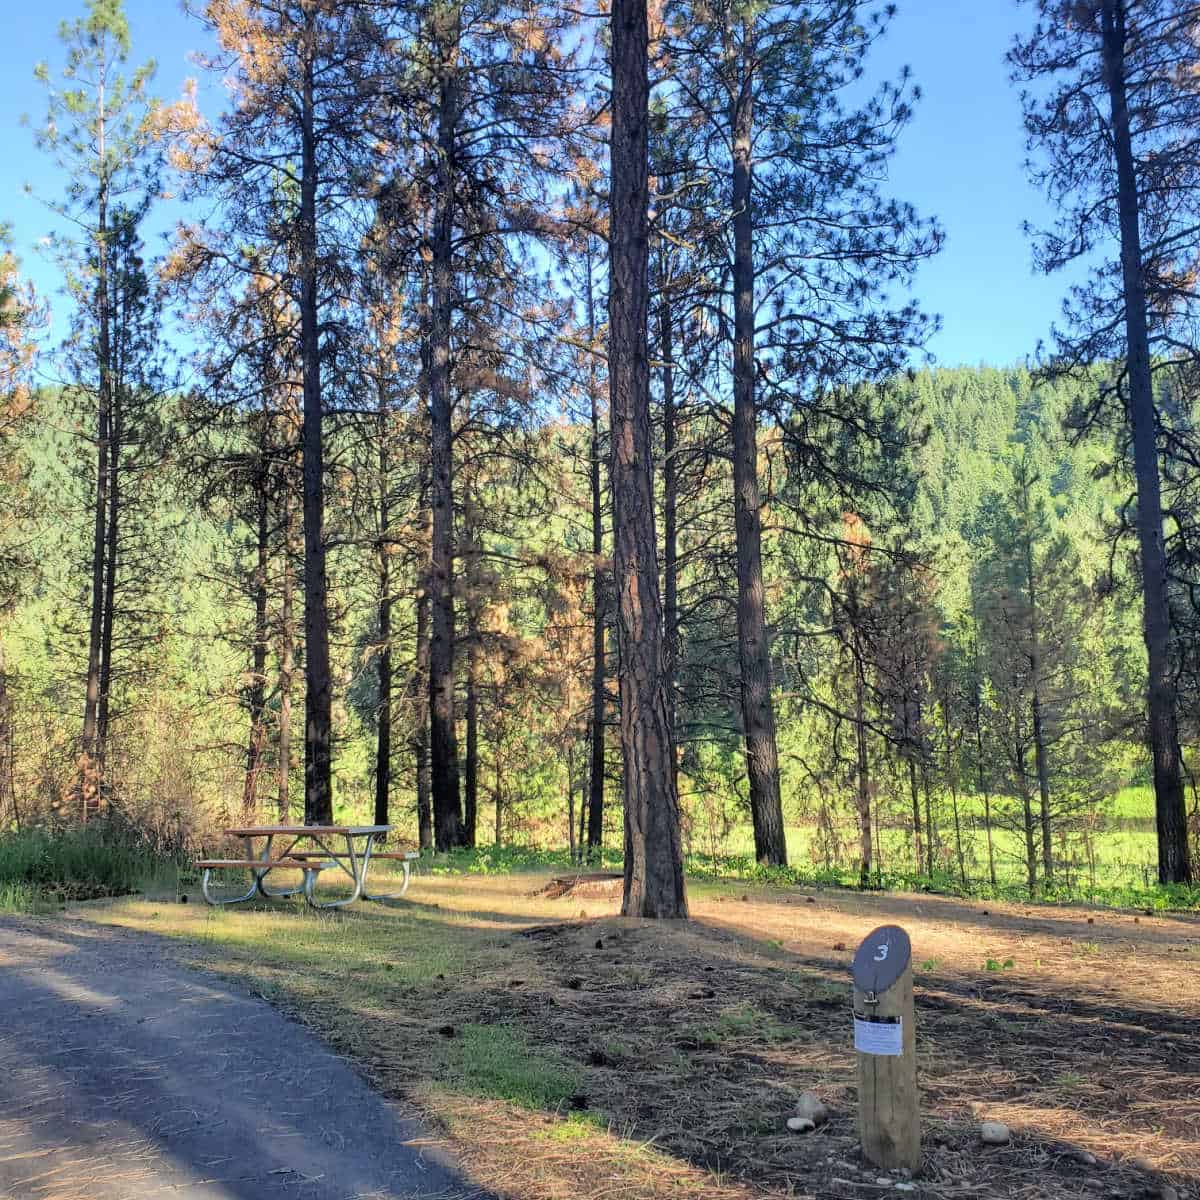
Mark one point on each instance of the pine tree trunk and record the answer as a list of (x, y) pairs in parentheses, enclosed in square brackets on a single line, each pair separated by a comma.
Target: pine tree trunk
[(8, 791), (318, 692), (864, 784), (383, 742), (595, 804), (108, 619), (287, 666), (499, 803), (471, 781), (916, 802), (1035, 675), (91, 758), (572, 849), (654, 884), (1174, 864), (383, 667), (420, 737), (754, 652), (670, 474), (1028, 826), (257, 692), (443, 740)]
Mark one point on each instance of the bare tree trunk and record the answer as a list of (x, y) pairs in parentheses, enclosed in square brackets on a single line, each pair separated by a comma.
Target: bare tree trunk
[(257, 692), (754, 652), (420, 737), (654, 885), (383, 666), (670, 529), (108, 619), (383, 743), (447, 802), (595, 805), (471, 791), (1028, 826), (499, 803), (1174, 859), (864, 784), (318, 692), (8, 789), (952, 776), (92, 749), (916, 805), (572, 849), (1039, 755), (287, 665)]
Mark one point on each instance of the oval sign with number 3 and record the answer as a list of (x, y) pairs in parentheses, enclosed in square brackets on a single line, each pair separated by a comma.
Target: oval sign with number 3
[(881, 959)]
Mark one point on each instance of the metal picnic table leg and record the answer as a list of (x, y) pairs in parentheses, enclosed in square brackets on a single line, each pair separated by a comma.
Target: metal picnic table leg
[(357, 873), (406, 867), (259, 876), (217, 901)]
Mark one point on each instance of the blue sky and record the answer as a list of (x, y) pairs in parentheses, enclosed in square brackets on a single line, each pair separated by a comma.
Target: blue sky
[(960, 159)]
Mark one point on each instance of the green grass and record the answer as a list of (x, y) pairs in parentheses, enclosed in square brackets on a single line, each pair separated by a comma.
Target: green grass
[(1129, 889), (42, 869), (499, 1062)]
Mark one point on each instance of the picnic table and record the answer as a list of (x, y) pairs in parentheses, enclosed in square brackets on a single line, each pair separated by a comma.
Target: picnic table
[(349, 848)]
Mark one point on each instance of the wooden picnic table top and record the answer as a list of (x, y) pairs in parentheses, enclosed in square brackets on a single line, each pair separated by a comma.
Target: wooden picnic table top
[(300, 830)]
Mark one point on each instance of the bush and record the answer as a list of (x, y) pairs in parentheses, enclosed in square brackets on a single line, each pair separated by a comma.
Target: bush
[(40, 866)]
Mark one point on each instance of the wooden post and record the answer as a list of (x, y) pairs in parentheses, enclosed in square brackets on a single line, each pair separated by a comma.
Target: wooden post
[(889, 1119)]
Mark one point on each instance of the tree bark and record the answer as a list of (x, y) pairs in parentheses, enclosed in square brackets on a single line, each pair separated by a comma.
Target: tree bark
[(443, 740), (654, 884), (754, 652), (864, 784), (287, 665), (318, 692), (92, 755), (471, 790), (595, 804), (420, 737), (108, 619), (1174, 863), (1028, 824), (383, 741), (916, 799), (670, 528), (256, 695), (8, 790)]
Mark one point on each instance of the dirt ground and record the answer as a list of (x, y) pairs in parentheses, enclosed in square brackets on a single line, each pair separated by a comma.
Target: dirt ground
[(690, 1042)]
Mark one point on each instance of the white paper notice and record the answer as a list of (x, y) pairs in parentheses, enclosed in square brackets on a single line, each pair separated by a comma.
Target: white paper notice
[(879, 1037)]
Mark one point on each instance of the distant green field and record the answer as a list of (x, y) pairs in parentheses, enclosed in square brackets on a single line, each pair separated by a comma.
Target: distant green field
[(1124, 857)]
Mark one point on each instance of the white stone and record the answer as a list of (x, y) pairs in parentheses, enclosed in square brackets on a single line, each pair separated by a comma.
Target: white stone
[(994, 1133), (811, 1106)]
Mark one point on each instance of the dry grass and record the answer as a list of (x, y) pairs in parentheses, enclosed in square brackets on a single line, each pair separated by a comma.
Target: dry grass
[(566, 1052)]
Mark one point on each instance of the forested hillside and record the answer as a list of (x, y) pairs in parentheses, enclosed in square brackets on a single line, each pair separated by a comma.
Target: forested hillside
[(923, 647)]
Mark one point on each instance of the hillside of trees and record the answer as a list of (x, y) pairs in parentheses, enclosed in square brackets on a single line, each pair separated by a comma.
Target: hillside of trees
[(551, 456), (902, 639)]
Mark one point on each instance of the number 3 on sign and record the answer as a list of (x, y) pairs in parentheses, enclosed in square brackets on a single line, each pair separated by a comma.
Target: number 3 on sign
[(883, 949)]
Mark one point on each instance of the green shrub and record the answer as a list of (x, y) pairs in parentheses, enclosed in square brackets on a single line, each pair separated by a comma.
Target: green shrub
[(41, 866)]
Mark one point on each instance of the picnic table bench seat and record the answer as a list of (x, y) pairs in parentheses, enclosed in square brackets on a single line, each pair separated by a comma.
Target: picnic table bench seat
[(404, 857), (260, 866), (292, 860)]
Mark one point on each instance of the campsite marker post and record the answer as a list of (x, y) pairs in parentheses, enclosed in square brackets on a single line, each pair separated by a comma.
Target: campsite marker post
[(889, 1119)]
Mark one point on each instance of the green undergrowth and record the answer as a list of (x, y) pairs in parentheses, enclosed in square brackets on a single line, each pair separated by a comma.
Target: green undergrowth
[(41, 869), (501, 1063), (505, 860)]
